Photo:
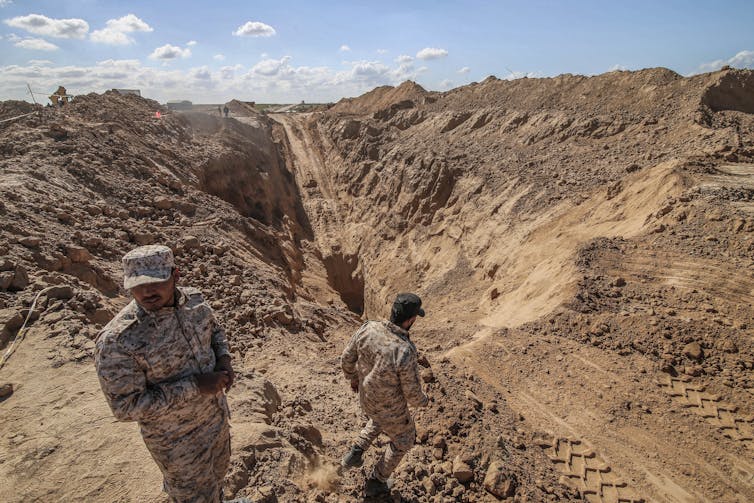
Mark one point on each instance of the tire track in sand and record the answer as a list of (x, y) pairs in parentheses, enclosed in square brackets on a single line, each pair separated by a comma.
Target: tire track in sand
[(724, 416), (584, 470)]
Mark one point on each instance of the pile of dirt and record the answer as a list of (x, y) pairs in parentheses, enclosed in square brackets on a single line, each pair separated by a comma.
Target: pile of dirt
[(578, 243), (9, 109), (381, 98), (242, 108)]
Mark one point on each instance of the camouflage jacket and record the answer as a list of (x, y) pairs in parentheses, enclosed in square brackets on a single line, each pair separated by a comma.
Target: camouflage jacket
[(384, 360), (146, 362)]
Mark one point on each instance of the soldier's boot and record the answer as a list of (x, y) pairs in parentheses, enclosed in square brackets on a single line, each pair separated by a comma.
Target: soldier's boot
[(353, 458), (375, 487)]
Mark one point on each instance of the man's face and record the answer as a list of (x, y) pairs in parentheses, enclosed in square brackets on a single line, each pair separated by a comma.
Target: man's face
[(154, 296)]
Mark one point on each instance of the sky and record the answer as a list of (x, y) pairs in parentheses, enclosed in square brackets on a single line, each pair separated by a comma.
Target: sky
[(289, 51)]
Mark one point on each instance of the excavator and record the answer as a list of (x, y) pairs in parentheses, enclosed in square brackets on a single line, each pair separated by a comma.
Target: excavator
[(60, 97)]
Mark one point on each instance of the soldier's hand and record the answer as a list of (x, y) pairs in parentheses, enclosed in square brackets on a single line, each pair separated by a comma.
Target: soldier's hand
[(223, 364), (212, 382)]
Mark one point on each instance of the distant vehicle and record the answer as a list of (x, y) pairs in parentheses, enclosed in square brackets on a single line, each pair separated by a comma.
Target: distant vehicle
[(180, 105)]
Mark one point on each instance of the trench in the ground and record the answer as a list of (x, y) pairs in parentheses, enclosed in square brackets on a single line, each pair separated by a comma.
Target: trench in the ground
[(345, 277), (343, 267), (260, 183)]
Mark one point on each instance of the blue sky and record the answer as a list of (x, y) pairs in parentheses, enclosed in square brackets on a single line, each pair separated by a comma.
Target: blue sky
[(288, 51)]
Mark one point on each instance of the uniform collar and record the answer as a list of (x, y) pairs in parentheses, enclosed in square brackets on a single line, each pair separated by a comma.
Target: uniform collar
[(399, 331)]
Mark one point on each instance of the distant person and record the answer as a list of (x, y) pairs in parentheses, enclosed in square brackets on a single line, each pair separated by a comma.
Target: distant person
[(163, 362), (219, 110), (380, 361), (226, 110)]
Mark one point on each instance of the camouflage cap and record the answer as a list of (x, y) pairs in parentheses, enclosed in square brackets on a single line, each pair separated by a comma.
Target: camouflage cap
[(147, 264)]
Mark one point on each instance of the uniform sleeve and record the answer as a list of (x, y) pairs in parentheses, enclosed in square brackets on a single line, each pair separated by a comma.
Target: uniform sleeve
[(126, 389), (408, 372), (350, 355), (219, 342)]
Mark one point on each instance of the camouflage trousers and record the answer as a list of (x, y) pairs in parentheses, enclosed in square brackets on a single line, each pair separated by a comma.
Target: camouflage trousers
[(194, 465), (402, 434)]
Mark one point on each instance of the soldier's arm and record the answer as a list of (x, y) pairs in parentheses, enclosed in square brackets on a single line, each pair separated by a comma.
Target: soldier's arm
[(219, 341), (350, 355), (126, 389), (348, 360), (408, 373)]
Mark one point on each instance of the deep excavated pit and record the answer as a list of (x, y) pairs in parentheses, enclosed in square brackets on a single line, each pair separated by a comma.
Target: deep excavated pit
[(345, 277)]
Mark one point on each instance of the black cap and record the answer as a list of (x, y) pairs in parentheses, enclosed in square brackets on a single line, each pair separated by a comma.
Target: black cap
[(406, 305)]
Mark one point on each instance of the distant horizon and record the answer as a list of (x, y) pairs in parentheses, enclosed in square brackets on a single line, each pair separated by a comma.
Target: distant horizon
[(307, 102), (297, 50)]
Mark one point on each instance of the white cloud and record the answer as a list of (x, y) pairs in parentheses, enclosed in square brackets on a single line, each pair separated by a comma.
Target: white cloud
[(218, 57), (464, 70), (201, 73), (229, 72), (270, 67), (446, 84), (271, 80), (36, 44), (43, 25), (4, 3), (382, 52), (431, 53), (254, 29), (191, 43), (744, 59), (404, 59), (167, 52), (344, 48), (201, 78), (115, 30), (110, 37), (514, 75), (128, 24), (369, 70), (616, 67), (40, 62)]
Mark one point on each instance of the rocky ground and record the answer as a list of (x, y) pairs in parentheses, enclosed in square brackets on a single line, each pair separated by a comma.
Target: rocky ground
[(582, 246)]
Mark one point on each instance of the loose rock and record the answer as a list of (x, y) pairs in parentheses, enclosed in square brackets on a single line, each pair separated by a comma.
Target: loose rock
[(499, 482)]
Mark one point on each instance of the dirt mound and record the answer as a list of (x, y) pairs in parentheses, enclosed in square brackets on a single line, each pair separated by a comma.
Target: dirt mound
[(731, 90), (242, 108), (10, 109), (578, 243), (380, 98)]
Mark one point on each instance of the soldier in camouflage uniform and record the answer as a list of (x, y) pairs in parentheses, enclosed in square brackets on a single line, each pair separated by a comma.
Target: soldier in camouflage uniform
[(380, 361), (163, 362)]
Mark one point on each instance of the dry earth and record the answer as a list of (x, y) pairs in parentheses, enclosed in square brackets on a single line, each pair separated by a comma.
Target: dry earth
[(583, 246)]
